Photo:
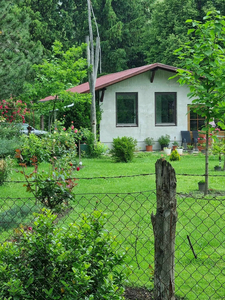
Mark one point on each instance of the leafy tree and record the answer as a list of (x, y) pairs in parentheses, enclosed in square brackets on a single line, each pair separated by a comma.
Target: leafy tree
[(205, 58), (52, 20), (18, 52), (120, 24), (167, 30), (57, 74)]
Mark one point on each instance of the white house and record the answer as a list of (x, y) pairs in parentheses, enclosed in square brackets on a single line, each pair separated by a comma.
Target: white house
[(142, 102)]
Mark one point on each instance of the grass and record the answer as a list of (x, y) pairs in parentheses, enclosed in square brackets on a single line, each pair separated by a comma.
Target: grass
[(128, 214)]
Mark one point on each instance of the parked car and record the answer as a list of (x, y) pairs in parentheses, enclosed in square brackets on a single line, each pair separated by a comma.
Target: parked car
[(24, 129)]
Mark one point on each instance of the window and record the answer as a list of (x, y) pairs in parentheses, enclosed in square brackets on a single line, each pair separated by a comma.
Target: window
[(165, 109), (195, 121), (126, 109)]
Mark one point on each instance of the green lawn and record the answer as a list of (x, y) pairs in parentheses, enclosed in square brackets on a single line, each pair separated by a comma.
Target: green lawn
[(129, 202)]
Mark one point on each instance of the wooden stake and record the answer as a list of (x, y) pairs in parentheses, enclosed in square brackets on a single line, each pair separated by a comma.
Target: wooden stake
[(164, 228)]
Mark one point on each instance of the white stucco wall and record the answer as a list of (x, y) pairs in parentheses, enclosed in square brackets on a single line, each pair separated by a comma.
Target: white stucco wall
[(146, 109)]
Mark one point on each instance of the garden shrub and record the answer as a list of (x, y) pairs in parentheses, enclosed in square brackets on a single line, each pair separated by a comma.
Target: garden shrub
[(3, 171), (10, 139), (174, 156), (53, 188), (123, 149), (45, 262), (33, 145), (95, 150)]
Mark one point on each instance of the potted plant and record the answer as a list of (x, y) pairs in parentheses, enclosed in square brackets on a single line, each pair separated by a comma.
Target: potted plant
[(167, 150), (190, 149), (149, 143), (175, 145), (180, 150), (164, 141), (201, 185)]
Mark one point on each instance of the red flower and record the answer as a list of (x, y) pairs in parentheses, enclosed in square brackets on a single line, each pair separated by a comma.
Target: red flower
[(71, 164), (78, 169)]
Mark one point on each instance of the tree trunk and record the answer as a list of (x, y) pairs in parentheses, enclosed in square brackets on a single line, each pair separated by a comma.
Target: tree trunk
[(164, 227), (92, 78)]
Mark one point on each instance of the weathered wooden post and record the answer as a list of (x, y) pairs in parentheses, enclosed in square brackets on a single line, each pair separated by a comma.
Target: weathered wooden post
[(164, 227)]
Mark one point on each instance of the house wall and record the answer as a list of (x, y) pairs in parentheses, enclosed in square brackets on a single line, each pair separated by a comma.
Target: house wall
[(146, 109)]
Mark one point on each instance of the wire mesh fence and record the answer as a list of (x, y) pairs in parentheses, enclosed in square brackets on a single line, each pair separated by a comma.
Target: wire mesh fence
[(199, 248)]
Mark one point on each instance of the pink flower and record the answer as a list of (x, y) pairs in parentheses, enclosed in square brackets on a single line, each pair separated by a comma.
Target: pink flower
[(29, 228), (75, 130), (64, 128), (72, 127), (72, 122)]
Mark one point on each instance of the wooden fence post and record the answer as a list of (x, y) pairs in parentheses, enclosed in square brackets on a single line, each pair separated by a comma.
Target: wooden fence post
[(164, 228)]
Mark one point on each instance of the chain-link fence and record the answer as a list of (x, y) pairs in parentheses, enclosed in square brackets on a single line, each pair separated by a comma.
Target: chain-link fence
[(199, 247)]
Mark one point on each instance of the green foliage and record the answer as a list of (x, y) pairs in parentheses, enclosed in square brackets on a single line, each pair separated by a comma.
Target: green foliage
[(123, 148), (95, 149), (18, 52), (34, 146), (3, 171), (167, 30), (149, 141), (53, 188), (204, 71), (63, 70), (54, 263), (10, 139), (174, 156), (59, 143), (164, 139)]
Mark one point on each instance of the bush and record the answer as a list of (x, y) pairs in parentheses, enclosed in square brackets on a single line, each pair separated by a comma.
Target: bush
[(10, 139), (45, 262), (174, 155), (3, 171), (33, 145), (95, 150), (9, 146), (123, 149)]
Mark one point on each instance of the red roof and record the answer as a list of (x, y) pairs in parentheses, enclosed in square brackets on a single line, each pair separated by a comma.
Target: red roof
[(113, 78)]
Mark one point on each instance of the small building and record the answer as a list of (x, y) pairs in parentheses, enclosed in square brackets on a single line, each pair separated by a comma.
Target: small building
[(142, 102)]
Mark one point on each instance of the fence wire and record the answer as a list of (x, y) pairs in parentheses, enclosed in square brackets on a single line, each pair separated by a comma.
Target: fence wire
[(199, 248)]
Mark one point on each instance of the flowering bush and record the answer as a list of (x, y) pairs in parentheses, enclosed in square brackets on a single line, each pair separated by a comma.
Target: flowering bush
[(52, 188), (13, 111), (48, 262), (32, 146)]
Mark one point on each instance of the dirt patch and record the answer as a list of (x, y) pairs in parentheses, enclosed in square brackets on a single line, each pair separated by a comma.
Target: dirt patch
[(135, 293), (132, 293)]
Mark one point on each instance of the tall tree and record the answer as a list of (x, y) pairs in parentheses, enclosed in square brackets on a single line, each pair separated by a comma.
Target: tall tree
[(65, 69), (121, 25), (51, 20), (18, 52), (205, 58), (167, 30)]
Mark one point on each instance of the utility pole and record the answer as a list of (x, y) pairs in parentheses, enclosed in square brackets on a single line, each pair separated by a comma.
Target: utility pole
[(93, 60)]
